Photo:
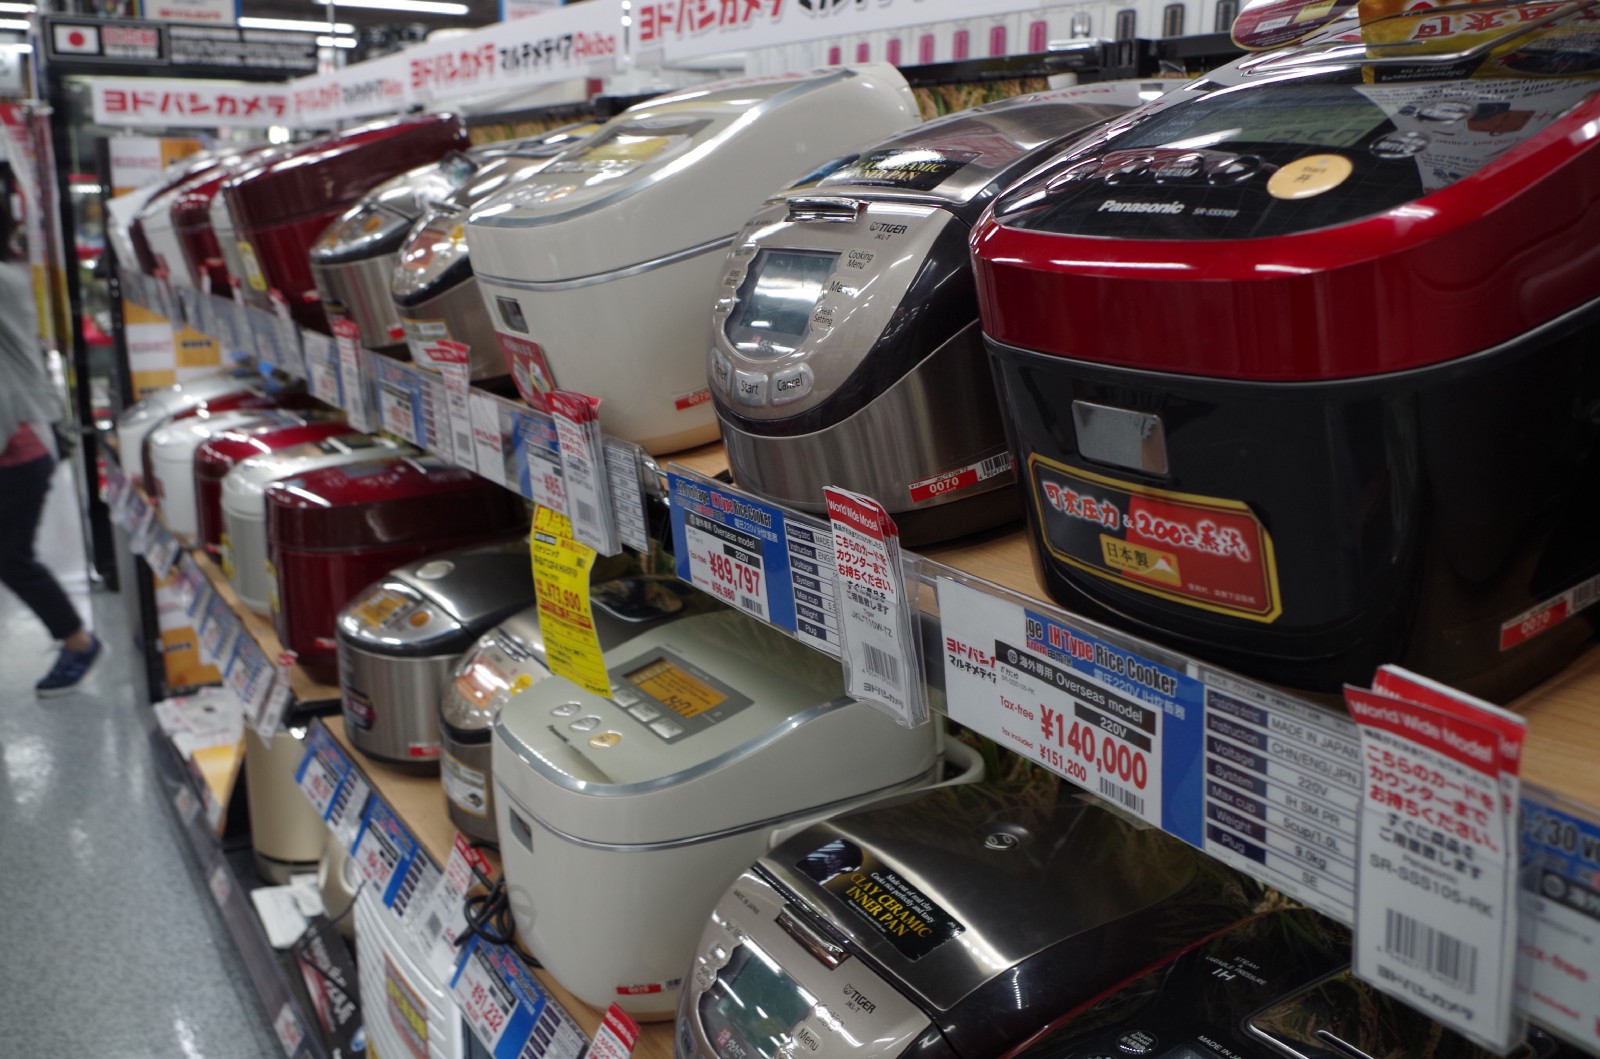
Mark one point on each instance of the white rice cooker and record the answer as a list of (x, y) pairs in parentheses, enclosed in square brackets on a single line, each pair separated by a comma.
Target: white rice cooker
[(597, 268), (433, 287), (509, 660), (622, 818), (846, 349), (400, 639), (145, 414), (952, 923), (172, 448), (244, 505), (286, 831)]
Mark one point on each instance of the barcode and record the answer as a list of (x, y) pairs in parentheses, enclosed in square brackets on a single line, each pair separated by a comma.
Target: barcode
[(753, 606), (434, 926), (881, 664), (1122, 796), (1448, 959), (994, 465), (1583, 595), (586, 512)]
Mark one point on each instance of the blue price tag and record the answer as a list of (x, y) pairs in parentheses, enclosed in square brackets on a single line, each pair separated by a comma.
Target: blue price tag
[(735, 548), (385, 852)]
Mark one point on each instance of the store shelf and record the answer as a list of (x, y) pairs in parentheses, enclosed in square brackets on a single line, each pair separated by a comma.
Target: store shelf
[(419, 802), (306, 691)]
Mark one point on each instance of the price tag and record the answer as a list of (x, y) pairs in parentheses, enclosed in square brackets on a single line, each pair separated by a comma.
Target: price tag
[(397, 400), (561, 568), (352, 382), (116, 494), (133, 514), (539, 452), (442, 918), (163, 551), (249, 675), (263, 330), (583, 469), (728, 561), (508, 1012), (291, 355), (880, 650), (617, 1036), (623, 467), (1124, 726), (322, 771), (454, 361), (188, 808), (221, 886), (141, 534), (384, 851), (287, 1027), (349, 808), (1561, 910), (219, 628), (486, 1002), (275, 704), (489, 438), (1434, 898), (322, 369)]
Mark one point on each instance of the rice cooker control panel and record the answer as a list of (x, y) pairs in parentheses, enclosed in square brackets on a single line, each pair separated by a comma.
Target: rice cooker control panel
[(809, 289), (666, 694), (395, 613), (769, 980)]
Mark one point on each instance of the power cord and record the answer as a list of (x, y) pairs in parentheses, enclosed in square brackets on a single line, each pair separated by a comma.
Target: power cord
[(489, 914)]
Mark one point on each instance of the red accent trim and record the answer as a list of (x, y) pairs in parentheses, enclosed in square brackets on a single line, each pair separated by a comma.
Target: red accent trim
[(1455, 272)]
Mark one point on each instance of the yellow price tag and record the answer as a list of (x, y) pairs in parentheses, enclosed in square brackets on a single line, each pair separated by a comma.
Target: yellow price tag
[(561, 568)]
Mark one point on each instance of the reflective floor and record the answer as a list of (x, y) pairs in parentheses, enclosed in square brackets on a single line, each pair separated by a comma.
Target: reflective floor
[(110, 946)]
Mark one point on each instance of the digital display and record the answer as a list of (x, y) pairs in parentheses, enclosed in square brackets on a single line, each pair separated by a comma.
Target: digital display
[(677, 690), (783, 288), (1311, 116), (754, 1003)]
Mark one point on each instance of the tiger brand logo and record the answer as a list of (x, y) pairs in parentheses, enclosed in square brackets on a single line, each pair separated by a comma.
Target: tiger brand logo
[(888, 229)]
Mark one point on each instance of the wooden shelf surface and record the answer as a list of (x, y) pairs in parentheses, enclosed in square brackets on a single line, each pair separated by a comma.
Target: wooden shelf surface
[(306, 690)]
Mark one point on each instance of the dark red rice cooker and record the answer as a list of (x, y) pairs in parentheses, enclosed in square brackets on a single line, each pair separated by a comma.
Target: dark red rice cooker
[(280, 209), (221, 453), (332, 532), (1300, 361)]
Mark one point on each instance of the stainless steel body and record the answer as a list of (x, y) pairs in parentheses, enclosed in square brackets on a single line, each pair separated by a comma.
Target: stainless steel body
[(391, 705), (287, 834), (455, 312), (846, 348), (359, 290)]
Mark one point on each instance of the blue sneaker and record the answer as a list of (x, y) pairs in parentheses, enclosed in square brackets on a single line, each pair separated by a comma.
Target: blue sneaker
[(70, 670)]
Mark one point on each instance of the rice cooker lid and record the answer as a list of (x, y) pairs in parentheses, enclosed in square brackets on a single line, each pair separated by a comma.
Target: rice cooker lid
[(962, 160), (985, 879), (171, 399), (179, 438), (222, 452), (700, 672), (253, 475), (378, 224), (1359, 120), (440, 604)]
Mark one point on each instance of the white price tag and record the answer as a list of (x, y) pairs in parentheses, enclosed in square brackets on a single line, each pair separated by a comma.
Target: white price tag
[(319, 781), (728, 564), (274, 705), (627, 494), (454, 359), (377, 856), (443, 918), (352, 381), (583, 470), (541, 447), (322, 368), (249, 676), (287, 1027), (396, 413), (880, 651), (617, 1036), (488, 441), (1434, 898), (163, 551)]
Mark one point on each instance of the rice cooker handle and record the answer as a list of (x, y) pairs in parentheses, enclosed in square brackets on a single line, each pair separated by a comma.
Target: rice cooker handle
[(826, 209)]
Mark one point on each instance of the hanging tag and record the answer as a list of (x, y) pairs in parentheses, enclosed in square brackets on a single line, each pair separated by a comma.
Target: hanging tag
[(116, 493), (880, 649), (442, 917), (583, 469), (287, 1026), (276, 702), (1434, 898), (398, 399), (218, 630), (540, 447), (561, 568), (322, 368), (352, 383), (454, 361), (140, 512), (627, 494), (616, 1037), (488, 438), (249, 675), (163, 551)]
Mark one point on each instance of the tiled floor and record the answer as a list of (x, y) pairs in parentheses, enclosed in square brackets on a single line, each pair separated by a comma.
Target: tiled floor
[(110, 946)]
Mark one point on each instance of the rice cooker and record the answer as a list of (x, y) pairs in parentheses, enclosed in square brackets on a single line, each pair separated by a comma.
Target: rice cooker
[(145, 414), (120, 224), (159, 236), (335, 530), (1297, 362), (406, 1009), (226, 449), (169, 466), (846, 348), (961, 921), (510, 659), (354, 260), (400, 638), (244, 506), (621, 818), (639, 216), (338, 881), (1277, 986), (203, 253), (432, 287), (279, 209), (286, 831)]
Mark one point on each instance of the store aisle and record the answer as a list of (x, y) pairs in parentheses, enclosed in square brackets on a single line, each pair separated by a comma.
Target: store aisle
[(110, 945)]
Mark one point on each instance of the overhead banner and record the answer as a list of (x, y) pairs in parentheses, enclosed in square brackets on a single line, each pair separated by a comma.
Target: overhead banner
[(357, 91), (144, 101), (669, 30), (205, 12), (85, 45)]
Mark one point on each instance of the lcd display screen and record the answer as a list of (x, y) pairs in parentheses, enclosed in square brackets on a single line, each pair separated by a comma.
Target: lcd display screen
[(678, 690), (1307, 116), (783, 288), (755, 1004)]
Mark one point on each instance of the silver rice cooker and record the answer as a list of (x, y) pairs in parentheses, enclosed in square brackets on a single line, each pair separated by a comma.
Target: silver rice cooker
[(597, 268), (354, 259), (846, 345), (400, 639), (433, 288), (509, 660), (622, 818), (958, 922)]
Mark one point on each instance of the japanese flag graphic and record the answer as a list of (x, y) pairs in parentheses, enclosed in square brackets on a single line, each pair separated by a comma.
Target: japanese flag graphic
[(77, 40)]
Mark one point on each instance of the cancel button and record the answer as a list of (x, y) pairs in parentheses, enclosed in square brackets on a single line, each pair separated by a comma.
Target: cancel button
[(791, 384)]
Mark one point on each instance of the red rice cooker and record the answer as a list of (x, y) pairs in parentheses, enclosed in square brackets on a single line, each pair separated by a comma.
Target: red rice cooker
[(332, 532), (222, 452), (1300, 361), (280, 209)]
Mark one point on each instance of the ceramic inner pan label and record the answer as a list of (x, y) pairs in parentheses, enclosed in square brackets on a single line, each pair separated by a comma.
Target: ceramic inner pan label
[(903, 915), (903, 168), (1200, 551)]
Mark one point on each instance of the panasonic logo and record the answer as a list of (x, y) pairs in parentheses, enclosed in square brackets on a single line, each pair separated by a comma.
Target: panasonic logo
[(1113, 206)]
